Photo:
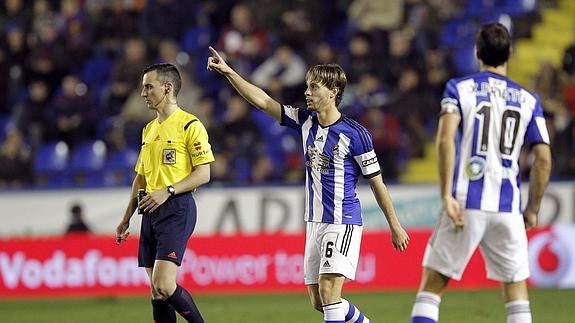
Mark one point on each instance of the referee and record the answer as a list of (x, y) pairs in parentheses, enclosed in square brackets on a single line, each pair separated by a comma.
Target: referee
[(174, 160)]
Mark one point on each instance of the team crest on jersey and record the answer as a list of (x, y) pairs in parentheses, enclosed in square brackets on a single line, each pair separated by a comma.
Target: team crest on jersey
[(335, 149), (317, 160), (169, 156), (475, 168)]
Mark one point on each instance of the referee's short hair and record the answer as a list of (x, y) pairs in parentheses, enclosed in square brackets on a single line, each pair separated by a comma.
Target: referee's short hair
[(167, 73)]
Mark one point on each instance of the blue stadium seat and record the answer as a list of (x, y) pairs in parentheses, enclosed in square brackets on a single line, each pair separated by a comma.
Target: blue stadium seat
[(465, 61), (86, 163), (50, 162), (456, 32), (96, 74), (5, 124), (197, 39), (518, 7), (119, 167)]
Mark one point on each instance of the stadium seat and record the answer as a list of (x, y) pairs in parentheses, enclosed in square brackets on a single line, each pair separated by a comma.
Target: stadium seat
[(119, 167), (50, 162), (518, 7), (95, 74), (465, 61), (197, 39), (86, 163), (456, 32), (5, 124)]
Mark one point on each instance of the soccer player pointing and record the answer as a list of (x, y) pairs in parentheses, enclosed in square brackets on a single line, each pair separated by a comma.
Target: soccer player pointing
[(485, 118), (337, 150), (174, 160)]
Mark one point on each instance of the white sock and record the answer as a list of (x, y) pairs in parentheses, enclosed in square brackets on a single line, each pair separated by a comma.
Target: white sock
[(352, 313), (333, 313), (518, 312), (426, 306)]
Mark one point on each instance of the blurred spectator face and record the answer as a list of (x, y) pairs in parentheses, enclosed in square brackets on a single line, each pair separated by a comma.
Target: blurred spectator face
[(41, 7), (48, 32), (205, 107), (15, 39), (409, 80), (399, 44), (359, 46), (168, 51), (38, 91), (70, 8), (241, 18), (324, 53), (368, 82), (135, 50), (13, 142), (284, 55), (237, 109), (71, 86), (14, 6)]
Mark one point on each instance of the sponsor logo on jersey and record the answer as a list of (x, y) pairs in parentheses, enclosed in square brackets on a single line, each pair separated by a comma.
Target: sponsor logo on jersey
[(197, 145), (368, 162)]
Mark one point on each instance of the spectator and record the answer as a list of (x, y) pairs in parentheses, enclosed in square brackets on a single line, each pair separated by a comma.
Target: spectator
[(77, 223), (71, 116), (16, 161), (29, 115), (126, 73), (569, 58), (281, 74), (386, 135), (243, 40), (240, 134), (377, 19)]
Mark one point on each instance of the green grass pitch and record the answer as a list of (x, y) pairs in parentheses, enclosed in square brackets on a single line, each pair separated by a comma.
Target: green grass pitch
[(548, 306)]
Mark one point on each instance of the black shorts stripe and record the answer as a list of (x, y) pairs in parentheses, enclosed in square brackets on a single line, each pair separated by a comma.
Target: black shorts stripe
[(346, 240)]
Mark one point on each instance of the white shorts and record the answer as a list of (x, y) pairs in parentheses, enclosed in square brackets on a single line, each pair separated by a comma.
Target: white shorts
[(331, 249), (500, 236)]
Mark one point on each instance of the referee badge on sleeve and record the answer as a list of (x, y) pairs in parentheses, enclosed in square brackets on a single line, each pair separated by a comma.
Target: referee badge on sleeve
[(169, 156)]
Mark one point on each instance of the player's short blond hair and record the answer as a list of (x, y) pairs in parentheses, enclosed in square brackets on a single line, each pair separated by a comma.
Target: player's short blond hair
[(331, 76)]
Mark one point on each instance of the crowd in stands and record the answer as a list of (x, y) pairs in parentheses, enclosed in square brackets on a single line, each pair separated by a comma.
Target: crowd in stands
[(70, 74)]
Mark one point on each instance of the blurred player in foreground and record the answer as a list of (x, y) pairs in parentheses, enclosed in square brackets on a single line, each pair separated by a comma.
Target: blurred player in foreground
[(174, 160), (337, 151), (484, 120)]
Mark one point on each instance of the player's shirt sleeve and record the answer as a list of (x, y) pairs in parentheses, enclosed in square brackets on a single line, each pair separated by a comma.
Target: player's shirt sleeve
[(362, 151), (450, 100), (537, 129), (293, 117), (197, 143), (139, 168)]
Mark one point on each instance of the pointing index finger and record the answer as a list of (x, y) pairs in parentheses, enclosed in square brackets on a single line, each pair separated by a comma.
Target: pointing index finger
[(215, 52)]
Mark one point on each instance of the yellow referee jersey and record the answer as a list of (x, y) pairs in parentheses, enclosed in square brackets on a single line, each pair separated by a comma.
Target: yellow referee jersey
[(171, 149)]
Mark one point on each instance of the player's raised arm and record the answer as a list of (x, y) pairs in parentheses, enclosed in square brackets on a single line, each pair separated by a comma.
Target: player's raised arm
[(253, 94)]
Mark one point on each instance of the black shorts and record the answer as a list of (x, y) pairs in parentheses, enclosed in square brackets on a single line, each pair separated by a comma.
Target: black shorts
[(165, 232)]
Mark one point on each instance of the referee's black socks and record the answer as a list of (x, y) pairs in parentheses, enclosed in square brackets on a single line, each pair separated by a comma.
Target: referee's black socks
[(183, 303)]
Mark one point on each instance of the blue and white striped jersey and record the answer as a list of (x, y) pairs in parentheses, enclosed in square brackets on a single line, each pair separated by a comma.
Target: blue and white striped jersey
[(335, 156), (497, 115)]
